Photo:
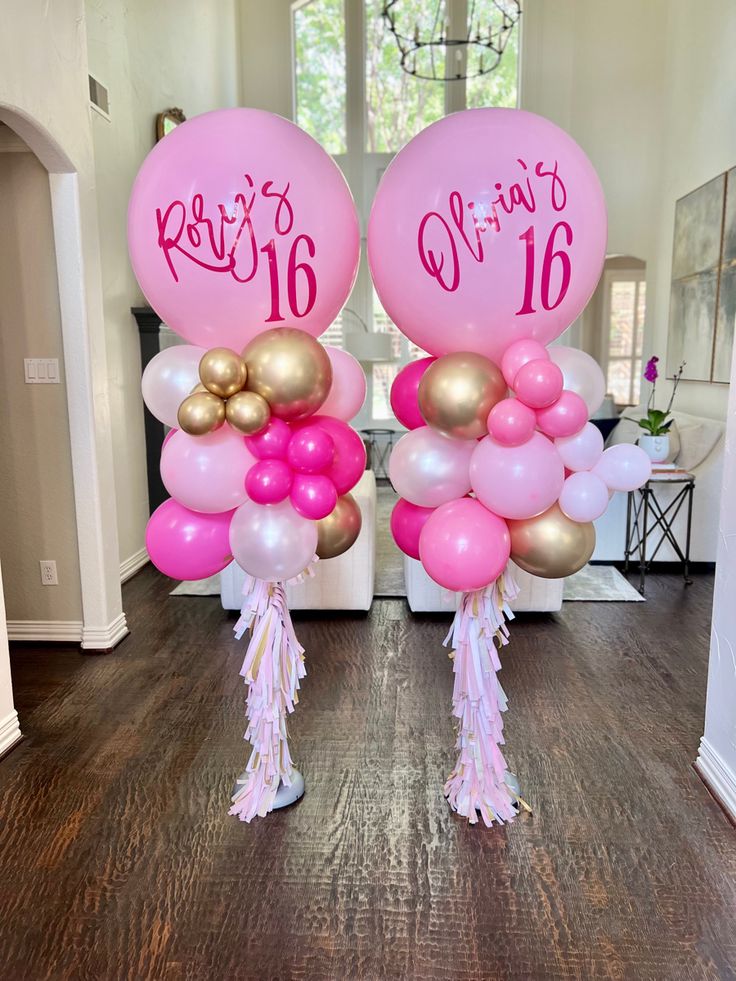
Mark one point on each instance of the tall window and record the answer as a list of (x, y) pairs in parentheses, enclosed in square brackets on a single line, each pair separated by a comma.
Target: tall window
[(319, 71), (625, 307)]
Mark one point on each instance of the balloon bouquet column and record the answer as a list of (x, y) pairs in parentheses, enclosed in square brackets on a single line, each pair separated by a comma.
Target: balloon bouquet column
[(486, 239), (244, 238)]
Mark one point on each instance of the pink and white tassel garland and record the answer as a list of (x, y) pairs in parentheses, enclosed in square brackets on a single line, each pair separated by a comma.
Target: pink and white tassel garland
[(478, 785)]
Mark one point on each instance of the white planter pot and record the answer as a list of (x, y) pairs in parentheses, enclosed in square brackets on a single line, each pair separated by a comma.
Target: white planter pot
[(657, 448)]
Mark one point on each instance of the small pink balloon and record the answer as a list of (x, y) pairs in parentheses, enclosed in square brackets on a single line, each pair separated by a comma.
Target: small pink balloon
[(206, 473), (538, 383), (311, 450), (463, 546), (168, 436), (565, 417), (404, 390), (348, 464), (583, 450), (407, 521), (584, 497), (347, 393), (517, 481), (272, 443), (511, 423), (624, 467), (518, 354), (313, 496), (268, 481), (185, 544)]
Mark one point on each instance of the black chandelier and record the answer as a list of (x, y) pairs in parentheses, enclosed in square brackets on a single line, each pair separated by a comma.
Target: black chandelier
[(473, 50)]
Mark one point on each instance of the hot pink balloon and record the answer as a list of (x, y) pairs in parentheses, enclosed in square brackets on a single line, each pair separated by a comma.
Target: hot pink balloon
[(565, 417), (407, 521), (488, 227), (311, 450), (624, 467), (349, 462), (517, 354), (272, 443), (313, 495), (268, 481), (511, 423), (517, 481), (584, 497), (463, 546), (186, 544), (429, 469), (206, 473), (238, 222), (347, 394), (404, 400), (583, 450), (538, 384)]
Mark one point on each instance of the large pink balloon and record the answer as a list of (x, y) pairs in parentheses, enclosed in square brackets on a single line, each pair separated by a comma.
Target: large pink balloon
[(624, 467), (584, 497), (517, 481), (206, 473), (404, 397), (583, 450), (463, 546), (239, 222), (169, 377), (429, 469), (489, 226), (347, 393), (407, 521), (185, 544), (348, 463)]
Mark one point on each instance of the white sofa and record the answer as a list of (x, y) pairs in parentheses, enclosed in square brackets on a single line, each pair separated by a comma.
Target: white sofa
[(343, 583), (425, 596), (697, 446)]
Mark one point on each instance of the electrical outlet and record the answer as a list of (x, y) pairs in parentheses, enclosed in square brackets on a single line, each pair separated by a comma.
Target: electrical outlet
[(48, 572)]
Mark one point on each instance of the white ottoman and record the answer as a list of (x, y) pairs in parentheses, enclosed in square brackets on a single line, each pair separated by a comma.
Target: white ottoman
[(344, 583)]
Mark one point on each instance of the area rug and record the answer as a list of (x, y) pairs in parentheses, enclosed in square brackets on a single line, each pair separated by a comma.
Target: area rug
[(599, 583), (389, 559), (200, 587)]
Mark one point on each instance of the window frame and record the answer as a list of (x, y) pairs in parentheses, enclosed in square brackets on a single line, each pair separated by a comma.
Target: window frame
[(611, 276)]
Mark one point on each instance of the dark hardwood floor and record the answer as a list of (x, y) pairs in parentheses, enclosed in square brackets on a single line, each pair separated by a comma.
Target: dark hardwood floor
[(118, 859)]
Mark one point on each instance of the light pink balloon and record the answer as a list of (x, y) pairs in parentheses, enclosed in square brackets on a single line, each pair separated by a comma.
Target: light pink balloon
[(168, 436), (517, 354), (584, 497), (429, 469), (538, 383), (206, 473), (407, 521), (272, 542), (463, 546), (582, 375), (268, 481), (583, 450), (347, 394), (167, 380), (624, 467), (488, 227), (185, 544), (565, 417), (519, 481), (239, 222), (313, 495), (404, 397), (511, 423)]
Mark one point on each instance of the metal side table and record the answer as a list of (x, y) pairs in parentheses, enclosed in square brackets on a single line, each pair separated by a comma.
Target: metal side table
[(643, 508), (380, 443)]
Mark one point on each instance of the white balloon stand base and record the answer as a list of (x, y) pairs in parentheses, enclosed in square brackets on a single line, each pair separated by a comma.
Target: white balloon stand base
[(284, 795)]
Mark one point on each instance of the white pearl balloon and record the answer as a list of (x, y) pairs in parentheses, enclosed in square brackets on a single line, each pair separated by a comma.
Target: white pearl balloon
[(169, 377), (428, 469), (581, 374), (272, 541)]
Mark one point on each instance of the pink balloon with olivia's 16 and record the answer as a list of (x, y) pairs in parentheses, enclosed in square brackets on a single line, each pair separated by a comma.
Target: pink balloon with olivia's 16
[(429, 469), (463, 546), (185, 544), (581, 374), (167, 380), (238, 222), (404, 393), (517, 481), (565, 417), (206, 473), (349, 458), (488, 227), (583, 450), (347, 392), (584, 497), (624, 467), (407, 521)]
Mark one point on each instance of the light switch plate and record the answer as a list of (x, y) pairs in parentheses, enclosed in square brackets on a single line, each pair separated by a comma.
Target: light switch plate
[(41, 371)]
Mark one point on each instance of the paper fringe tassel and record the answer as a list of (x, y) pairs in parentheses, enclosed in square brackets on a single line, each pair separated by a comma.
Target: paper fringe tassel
[(477, 785), (273, 667)]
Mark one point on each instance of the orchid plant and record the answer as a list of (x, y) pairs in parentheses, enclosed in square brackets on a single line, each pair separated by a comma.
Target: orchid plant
[(656, 422)]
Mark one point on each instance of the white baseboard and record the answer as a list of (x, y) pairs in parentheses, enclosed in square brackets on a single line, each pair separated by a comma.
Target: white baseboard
[(9, 732), (132, 564), (65, 631), (105, 638), (718, 776)]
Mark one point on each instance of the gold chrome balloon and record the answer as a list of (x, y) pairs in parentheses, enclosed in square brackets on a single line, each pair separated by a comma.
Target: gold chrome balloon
[(290, 370), (247, 412), (338, 531), (201, 413), (222, 372), (458, 391), (551, 545)]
